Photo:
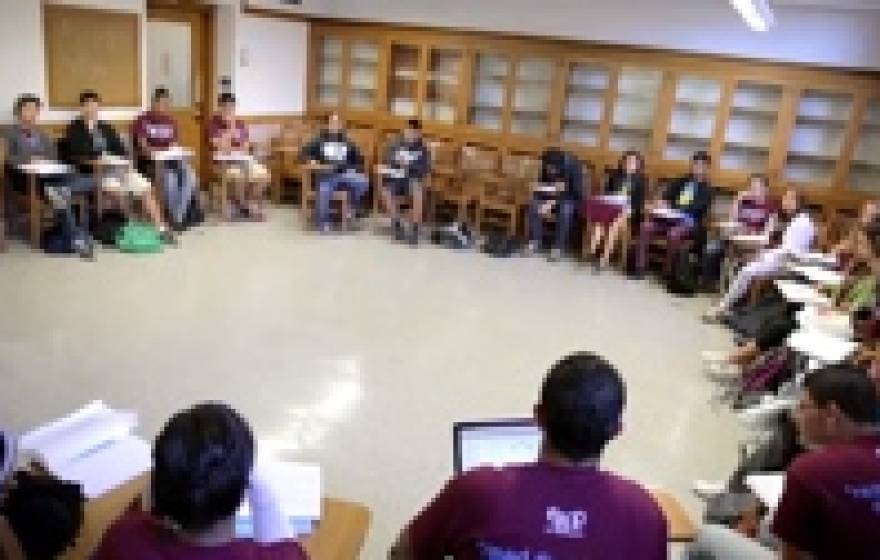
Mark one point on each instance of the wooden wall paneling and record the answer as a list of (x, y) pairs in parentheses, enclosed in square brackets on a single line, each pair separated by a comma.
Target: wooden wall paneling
[(788, 108), (77, 55), (466, 86), (722, 118), (558, 100), (663, 116), (509, 84), (850, 139), (608, 110), (422, 86), (345, 84), (314, 36), (383, 97)]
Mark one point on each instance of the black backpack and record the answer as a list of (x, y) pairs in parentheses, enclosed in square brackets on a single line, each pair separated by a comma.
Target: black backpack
[(685, 274), (108, 226), (500, 245)]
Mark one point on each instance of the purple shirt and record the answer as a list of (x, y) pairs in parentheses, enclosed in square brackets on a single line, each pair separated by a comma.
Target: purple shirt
[(754, 214), (218, 126), (830, 506), (137, 536), (159, 130), (540, 512)]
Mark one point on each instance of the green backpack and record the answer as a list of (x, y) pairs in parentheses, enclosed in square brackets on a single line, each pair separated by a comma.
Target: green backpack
[(138, 238)]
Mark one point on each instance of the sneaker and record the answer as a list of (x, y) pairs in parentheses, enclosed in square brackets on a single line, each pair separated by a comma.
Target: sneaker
[(555, 255), (399, 234), (714, 356), (325, 229), (414, 236), (530, 249), (168, 237), (85, 248), (707, 489), (713, 316), (722, 371)]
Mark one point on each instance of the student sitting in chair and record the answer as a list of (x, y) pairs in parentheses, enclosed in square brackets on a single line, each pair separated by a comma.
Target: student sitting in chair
[(25, 143), (796, 239), (558, 192), (343, 163), (689, 199), (40, 515), (564, 505), (202, 468), (89, 139), (610, 221), (156, 131), (856, 240), (408, 162), (250, 179)]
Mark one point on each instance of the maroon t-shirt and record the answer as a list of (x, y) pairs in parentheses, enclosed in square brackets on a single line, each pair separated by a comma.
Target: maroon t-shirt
[(137, 536), (830, 506), (540, 512), (754, 213), (158, 129), (218, 126)]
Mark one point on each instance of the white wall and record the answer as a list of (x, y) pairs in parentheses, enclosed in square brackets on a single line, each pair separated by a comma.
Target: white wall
[(805, 34), (271, 66), (22, 56)]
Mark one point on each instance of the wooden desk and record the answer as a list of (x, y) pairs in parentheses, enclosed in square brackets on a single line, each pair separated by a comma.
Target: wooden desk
[(681, 528), (340, 534), (33, 172)]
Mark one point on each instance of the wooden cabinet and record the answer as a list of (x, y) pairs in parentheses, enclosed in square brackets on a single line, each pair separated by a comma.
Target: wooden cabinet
[(864, 167), (751, 125), (816, 129), (814, 148)]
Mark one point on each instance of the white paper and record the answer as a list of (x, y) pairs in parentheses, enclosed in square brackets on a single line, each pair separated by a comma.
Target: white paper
[(819, 345), (112, 160), (45, 168), (283, 502), (767, 487), (615, 199), (795, 292), (818, 258), (233, 157), (669, 213), (546, 188), (392, 172), (93, 446), (173, 153), (750, 239), (819, 275)]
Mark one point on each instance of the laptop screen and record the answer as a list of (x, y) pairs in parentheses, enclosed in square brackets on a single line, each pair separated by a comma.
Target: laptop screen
[(495, 443)]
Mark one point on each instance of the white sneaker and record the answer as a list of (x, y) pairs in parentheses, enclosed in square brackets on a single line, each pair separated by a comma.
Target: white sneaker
[(723, 371), (706, 489), (530, 249), (714, 356)]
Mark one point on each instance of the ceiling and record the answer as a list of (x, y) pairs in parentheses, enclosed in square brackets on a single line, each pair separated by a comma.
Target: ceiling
[(832, 4)]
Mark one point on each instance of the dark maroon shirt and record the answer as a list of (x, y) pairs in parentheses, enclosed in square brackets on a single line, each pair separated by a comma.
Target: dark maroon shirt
[(540, 512), (158, 129), (137, 536), (830, 506), (754, 214), (218, 126)]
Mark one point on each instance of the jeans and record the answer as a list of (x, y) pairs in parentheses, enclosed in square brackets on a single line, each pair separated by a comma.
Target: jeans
[(676, 234), (179, 181), (716, 542), (565, 210), (355, 183)]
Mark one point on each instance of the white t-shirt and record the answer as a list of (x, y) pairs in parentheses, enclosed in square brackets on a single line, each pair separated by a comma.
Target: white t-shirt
[(799, 235)]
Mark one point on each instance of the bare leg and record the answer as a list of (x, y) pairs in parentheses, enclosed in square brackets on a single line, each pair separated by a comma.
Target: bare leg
[(596, 240), (151, 207), (418, 201), (613, 238), (390, 202)]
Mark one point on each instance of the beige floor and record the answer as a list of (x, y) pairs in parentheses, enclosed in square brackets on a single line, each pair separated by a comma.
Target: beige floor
[(354, 351)]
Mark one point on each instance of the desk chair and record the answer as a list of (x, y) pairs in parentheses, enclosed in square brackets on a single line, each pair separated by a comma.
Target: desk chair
[(502, 198), (341, 532), (443, 177), (285, 160), (478, 164)]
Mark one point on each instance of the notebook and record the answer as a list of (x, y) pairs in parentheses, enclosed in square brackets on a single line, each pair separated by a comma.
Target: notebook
[(287, 496), (94, 446), (495, 443)]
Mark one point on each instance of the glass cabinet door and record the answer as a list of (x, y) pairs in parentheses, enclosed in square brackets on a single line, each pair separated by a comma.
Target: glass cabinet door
[(491, 72), (363, 82), (532, 94), (444, 72), (638, 91), (584, 110), (329, 82), (864, 167), (817, 137), (694, 114), (403, 87), (754, 113)]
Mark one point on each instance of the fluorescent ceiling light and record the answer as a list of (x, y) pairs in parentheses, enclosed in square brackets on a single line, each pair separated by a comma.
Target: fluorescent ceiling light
[(757, 13)]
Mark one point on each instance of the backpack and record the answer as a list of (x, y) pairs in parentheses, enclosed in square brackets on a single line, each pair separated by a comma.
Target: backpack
[(139, 238), (685, 274), (57, 240), (107, 228), (500, 245), (195, 215)]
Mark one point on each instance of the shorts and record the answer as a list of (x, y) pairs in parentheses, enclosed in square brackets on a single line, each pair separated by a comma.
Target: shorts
[(252, 171), (126, 182), (403, 186)]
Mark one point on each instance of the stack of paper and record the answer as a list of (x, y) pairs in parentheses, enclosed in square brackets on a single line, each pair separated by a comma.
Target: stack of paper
[(819, 275), (94, 446), (800, 293), (392, 172), (173, 153), (283, 502), (767, 487), (615, 199), (668, 213), (45, 168), (823, 347), (114, 160)]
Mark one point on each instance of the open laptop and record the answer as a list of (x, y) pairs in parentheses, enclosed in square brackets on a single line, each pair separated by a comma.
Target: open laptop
[(495, 443)]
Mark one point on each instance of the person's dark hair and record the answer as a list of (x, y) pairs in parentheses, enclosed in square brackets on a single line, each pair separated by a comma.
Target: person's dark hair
[(226, 98), (621, 164), (25, 99), (161, 93), (89, 95), (44, 513), (582, 400), (202, 462), (702, 156), (765, 180), (414, 124), (849, 388)]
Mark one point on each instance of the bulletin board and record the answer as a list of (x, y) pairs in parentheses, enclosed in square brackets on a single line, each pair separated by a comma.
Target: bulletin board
[(92, 49)]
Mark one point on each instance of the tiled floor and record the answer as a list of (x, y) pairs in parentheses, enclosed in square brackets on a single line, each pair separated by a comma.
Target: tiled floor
[(354, 351)]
